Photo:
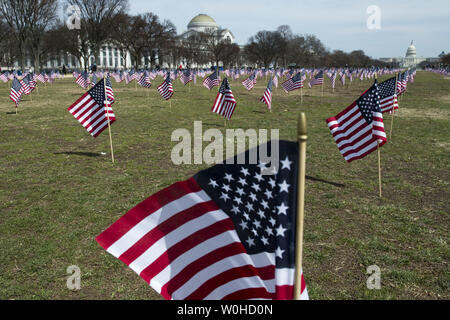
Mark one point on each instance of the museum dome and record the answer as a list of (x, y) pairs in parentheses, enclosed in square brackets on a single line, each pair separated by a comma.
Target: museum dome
[(202, 22), (411, 52)]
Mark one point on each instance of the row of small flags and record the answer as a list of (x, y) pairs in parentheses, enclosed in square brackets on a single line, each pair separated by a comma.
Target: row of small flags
[(440, 71), (354, 139)]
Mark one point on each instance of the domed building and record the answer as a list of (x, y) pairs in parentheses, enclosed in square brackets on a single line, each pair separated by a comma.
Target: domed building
[(204, 23), (201, 23), (409, 61)]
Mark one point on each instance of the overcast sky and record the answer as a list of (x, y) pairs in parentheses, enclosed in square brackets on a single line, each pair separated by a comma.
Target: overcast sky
[(338, 24)]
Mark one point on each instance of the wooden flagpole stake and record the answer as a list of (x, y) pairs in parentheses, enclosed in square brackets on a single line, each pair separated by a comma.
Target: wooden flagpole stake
[(393, 108), (107, 116), (301, 95), (323, 81), (302, 137), (379, 156), (379, 167)]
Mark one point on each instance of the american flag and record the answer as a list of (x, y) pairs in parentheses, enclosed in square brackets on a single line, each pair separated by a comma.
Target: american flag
[(293, 83), (41, 78), (228, 232), (165, 89), (289, 74), (388, 96), (333, 79), (236, 74), (404, 81), (16, 91), (118, 77), (250, 82), (144, 80), (317, 80), (94, 79), (4, 77), (109, 90), (93, 110), (186, 77), (31, 81), (267, 97), (359, 128), (82, 79), (211, 81), (342, 77), (225, 102), (275, 80), (25, 86)]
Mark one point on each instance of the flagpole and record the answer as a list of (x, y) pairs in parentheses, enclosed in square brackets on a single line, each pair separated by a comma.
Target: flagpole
[(107, 116), (302, 136), (301, 94), (393, 106), (379, 157), (379, 167), (323, 81)]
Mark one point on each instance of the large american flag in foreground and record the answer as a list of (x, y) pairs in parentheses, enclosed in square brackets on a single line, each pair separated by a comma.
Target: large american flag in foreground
[(225, 102), (359, 128), (226, 233), (91, 112)]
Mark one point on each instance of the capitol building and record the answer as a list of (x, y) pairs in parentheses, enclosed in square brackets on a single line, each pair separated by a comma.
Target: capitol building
[(411, 60)]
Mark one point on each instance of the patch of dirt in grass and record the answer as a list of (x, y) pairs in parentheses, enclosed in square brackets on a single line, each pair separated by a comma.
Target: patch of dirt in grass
[(445, 98), (442, 144), (435, 114)]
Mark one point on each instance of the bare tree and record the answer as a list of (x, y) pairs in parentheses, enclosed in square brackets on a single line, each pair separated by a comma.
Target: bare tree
[(286, 36), (446, 60), (263, 48), (99, 16), (159, 37), (8, 46), (28, 20)]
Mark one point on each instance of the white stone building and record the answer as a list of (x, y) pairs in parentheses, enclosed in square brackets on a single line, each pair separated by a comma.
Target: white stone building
[(411, 60), (110, 55), (204, 23)]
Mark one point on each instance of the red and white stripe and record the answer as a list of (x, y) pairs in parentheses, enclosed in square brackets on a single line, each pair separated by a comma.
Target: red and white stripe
[(15, 96), (355, 137), (224, 104), (166, 90), (388, 103), (186, 248), (92, 116), (267, 98)]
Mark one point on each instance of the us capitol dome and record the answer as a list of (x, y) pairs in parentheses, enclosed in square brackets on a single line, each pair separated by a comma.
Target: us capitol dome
[(411, 60)]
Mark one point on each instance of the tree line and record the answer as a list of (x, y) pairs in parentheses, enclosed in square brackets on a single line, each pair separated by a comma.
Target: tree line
[(31, 29)]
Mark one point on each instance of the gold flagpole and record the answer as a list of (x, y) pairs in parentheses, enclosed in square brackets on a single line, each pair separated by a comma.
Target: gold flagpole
[(302, 137), (106, 102)]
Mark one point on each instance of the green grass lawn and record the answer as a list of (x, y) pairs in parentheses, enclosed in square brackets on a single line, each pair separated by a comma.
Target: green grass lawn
[(57, 192)]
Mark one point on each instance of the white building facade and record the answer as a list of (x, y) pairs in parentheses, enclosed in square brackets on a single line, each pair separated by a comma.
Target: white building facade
[(110, 56)]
